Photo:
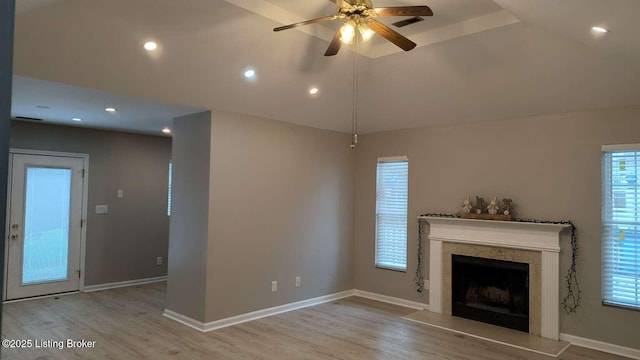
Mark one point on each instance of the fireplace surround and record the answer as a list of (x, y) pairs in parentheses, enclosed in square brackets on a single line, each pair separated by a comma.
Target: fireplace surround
[(537, 245)]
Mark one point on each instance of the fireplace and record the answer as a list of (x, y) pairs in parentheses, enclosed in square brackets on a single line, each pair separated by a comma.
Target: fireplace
[(491, 291), (537, 245)]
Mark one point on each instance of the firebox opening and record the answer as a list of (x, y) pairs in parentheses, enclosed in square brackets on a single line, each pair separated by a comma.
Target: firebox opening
[(491, 291)]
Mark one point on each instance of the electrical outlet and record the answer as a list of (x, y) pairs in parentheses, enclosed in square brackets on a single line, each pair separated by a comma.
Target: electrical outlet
[(298, 281), (159, 260), (102, 209), (274, 286)]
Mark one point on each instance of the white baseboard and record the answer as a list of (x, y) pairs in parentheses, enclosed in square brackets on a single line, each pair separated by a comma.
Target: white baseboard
[(99, 287), (391, 300), (601, 346), (184, 320), (254, 315)]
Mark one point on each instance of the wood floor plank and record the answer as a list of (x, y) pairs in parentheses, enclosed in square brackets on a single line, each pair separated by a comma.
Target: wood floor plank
[(127, 323)]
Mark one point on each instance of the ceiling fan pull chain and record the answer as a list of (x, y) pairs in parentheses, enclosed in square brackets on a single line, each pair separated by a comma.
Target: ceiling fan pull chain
[(354, 112)]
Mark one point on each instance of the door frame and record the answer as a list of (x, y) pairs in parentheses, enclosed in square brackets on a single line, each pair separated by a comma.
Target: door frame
[(85, 195)]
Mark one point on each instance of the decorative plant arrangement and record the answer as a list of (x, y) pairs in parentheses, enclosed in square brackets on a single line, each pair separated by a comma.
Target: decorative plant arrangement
[(494, 210)]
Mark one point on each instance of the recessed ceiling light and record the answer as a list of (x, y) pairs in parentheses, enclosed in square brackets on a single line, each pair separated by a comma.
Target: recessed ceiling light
[(599, 29), (249, 73), (110, 109), (314, 91), (150, 46), (76, 119), (166, 130), (42, 106)]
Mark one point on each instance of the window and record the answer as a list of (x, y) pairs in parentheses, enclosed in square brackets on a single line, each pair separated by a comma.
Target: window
[(169, 192), (621, 225), (391, 213)]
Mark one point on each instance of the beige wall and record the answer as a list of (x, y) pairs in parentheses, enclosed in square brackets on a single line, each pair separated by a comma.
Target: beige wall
[(122, 245), (189, 233), (549, 165), (282, 206)]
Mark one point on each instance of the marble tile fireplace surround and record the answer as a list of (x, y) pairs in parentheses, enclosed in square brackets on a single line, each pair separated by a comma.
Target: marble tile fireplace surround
[(535, 244)]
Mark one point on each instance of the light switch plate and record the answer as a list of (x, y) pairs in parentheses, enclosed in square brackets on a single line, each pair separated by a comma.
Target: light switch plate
[(120, 193), (102, 209)]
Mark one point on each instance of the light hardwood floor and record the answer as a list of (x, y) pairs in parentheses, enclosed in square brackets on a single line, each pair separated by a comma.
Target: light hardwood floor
[(127, 323)]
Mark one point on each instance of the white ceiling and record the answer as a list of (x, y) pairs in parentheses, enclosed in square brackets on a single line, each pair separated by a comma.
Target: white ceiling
[(476, 60), (60, 103)]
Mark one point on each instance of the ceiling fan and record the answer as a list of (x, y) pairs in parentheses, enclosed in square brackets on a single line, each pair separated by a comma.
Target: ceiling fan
[(360, 15)]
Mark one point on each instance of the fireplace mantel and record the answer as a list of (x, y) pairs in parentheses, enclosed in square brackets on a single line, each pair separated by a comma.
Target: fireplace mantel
[(509, 234), (543, 238)]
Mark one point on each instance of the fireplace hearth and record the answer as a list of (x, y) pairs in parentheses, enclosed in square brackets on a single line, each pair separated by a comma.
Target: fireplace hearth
[(492, 291)]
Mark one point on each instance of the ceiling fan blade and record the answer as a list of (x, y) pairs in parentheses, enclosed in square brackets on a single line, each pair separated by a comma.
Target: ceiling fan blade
[(334, 46), (312, 21), (391, 35), (404, 11)]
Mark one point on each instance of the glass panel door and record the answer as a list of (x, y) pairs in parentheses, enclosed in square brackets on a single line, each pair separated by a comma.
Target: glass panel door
[(46, 227)]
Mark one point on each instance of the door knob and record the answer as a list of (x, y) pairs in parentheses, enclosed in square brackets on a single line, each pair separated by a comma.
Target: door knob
[(14, 237), (14, 226)]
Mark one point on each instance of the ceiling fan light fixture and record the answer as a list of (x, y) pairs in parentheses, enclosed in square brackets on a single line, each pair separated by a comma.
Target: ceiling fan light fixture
[(365, 31), (360, 14), (348, 32)]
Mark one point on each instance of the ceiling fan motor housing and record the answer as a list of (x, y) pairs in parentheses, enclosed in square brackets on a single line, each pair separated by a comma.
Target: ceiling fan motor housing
[(365, 3)]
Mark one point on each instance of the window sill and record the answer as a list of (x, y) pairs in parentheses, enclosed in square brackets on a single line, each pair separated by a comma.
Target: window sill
[(390, 268), (620, 306)]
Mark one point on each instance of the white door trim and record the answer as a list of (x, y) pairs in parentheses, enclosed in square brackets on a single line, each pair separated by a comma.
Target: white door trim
[(85, 196)]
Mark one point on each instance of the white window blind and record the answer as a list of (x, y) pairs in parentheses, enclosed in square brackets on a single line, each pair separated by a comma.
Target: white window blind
[(391, 213), (169, 192), (620, 225)]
